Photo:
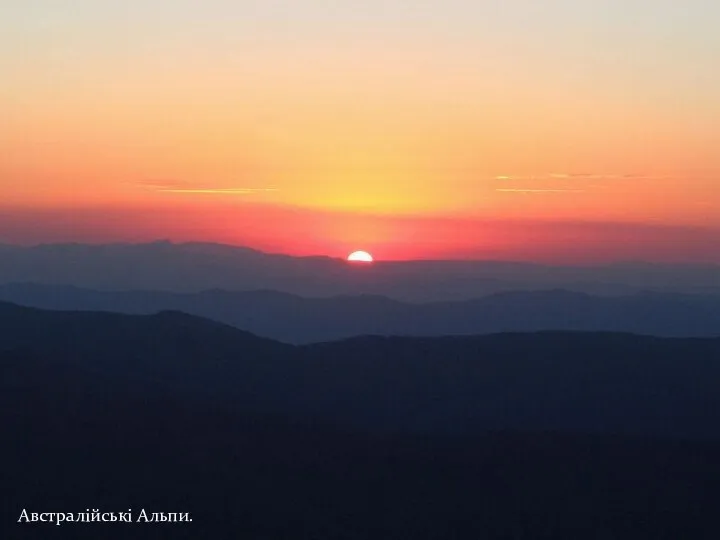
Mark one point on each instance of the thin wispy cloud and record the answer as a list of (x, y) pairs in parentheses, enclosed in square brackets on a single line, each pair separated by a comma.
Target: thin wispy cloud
[(579, 176), (220, 191), (194, 188), (529, 190), (162, 183), (564, 182)]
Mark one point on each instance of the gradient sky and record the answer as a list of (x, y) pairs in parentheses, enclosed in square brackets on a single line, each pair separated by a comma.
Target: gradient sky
[(564, 130)]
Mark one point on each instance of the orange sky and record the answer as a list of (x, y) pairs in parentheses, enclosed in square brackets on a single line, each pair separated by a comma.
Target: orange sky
[(405, 134)]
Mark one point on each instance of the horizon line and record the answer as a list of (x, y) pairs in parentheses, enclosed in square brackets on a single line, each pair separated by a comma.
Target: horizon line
[(377, 261)]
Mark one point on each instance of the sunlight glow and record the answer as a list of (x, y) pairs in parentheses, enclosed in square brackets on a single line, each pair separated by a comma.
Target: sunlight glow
[(360, 256)]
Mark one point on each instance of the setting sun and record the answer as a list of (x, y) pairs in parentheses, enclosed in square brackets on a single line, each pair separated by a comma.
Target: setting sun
[(360, 256)]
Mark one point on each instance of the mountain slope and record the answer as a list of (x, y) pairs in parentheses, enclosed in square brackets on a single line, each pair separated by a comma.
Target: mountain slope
[(551, 435), (191, 267), (604, 383), (75, 440), (298, 320)]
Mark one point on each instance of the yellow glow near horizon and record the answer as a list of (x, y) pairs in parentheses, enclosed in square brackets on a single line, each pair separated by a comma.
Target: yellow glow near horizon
[(352, 122)]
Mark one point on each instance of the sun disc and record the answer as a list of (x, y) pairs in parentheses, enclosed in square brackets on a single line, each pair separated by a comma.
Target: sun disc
[(360, 256)]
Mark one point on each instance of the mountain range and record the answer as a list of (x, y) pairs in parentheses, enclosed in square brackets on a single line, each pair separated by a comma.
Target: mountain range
[(298, 320), (598, 382), (194, 267), (516, 435)]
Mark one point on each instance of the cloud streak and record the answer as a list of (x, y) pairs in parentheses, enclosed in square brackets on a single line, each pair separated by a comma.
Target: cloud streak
[(580, 176), (189, 188), (524, 190), (220, 191), (563, 182)]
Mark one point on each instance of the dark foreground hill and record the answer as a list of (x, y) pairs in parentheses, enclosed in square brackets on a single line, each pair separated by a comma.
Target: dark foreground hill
[(549, 435), (294, 319), (612, 383)]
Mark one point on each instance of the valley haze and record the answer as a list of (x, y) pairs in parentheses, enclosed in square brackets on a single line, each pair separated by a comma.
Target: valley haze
[(196, 267), (301, 320)]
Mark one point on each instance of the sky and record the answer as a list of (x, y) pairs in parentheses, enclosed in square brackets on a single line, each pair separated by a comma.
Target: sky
[(556, 130)]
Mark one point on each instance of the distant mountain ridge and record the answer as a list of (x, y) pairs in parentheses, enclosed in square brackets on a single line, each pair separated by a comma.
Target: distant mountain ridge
[(517, 435), (193, 267), (294, 319), (604, 382)]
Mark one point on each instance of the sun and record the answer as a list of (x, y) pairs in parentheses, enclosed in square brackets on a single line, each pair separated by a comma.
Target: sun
[(360, 256)]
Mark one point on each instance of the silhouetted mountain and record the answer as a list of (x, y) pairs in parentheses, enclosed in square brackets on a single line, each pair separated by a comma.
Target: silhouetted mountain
[(365, 438), (298, 320), (613, 383), (194, 267)]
